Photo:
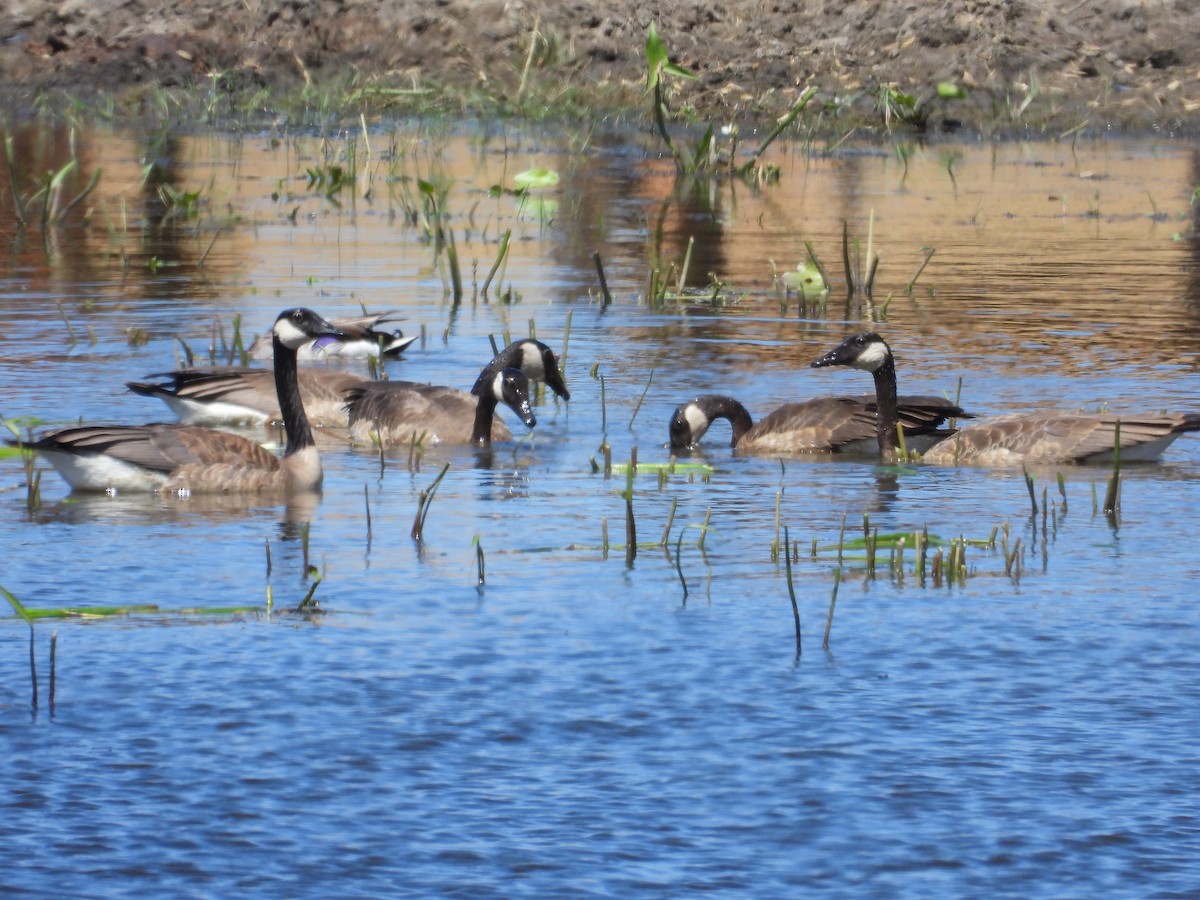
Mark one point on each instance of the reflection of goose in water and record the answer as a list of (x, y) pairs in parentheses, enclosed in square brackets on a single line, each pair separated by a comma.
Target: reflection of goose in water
[(363, 339), (1019, 438), (190, 459), (399, 412), (821, 424)]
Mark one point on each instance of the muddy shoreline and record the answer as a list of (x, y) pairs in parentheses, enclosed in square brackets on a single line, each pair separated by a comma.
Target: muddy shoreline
[(1023, 67)]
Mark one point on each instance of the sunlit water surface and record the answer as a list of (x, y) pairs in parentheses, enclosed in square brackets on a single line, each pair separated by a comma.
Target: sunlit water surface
[(577, 725)]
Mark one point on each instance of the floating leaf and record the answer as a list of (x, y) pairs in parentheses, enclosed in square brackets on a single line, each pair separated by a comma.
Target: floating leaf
[(535, 178), (807, 279), (948, 90)]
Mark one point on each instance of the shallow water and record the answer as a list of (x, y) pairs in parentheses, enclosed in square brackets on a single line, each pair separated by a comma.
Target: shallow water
[(576, 725)]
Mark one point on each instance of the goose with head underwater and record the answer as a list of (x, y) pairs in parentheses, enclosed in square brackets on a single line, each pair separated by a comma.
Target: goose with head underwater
[(191, 459), (399, 412), (817, 425), (1034, 438)]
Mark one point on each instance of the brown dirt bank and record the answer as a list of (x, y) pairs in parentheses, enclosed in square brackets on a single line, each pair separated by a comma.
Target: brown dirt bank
[(1035, 66)]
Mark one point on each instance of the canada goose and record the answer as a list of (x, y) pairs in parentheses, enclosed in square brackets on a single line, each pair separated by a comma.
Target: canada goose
[(190, 459), (404, 409), (1020, 438), (821, 424), (363, 339), (399, 413), (225, 395), (237, 395)]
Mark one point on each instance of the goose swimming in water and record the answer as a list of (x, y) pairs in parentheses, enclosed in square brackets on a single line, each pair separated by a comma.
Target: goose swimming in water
[(191, 459), (1020, 438), (233, 395), (237, 395), (821, 424), (398, 412), (363, 338)]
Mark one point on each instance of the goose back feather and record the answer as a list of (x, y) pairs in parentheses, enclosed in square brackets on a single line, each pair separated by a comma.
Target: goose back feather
[(397, 413), (238, 395), (820, 424), (192, 459), (1035, 438)]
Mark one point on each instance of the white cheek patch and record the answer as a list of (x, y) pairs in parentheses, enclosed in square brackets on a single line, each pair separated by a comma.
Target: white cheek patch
[(289, 335), (873, 357), (498, 386), (697, 421), (531, 362)]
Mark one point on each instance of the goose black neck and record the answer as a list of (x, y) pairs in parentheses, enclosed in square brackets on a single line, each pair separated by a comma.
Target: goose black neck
[(485, 410), (885, 398), (291, 407), (728, 408)]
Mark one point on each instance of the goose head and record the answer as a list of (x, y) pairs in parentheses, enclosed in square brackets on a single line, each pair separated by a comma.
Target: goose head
[(511, 387), (533, 358), (296, 327), (688, 424), (866, 351)]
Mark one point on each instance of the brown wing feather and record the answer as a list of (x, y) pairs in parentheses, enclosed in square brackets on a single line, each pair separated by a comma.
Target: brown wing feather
[(402, 411), (1052, 437), (827, 423), (160, 447)]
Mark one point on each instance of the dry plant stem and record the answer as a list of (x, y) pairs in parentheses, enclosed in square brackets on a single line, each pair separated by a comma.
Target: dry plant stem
[(641, 399), (33, 669), (837, 579), (501, 256), (603, 281), (533, 42), (80, 197), (53, 667), (566, 341), (779, 127), (1032, 493), (678, 564), (928, 251), (1112, 497), (687, 261), (787, 562), (18, 206), (455, 271), (816, 261), (630, 523), (869, 283), (670, 521), (423, 503), (850, 284)]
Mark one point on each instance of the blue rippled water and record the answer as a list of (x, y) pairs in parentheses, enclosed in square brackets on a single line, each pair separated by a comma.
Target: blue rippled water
[(575, 726)]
